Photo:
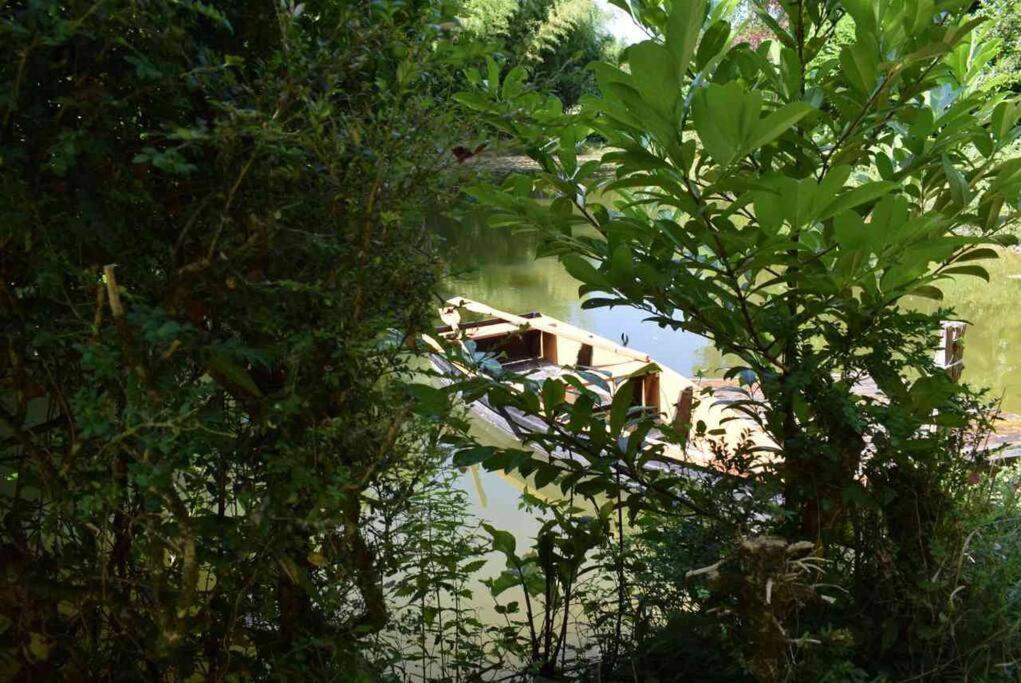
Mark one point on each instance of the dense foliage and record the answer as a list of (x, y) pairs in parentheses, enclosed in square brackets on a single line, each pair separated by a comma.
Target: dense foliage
[(220, 459), (554, 39), (211, 226), (782, 200), (1005, 27)]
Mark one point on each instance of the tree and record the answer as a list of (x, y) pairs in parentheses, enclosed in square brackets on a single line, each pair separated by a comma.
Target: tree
[(554, 39), (786, 201), (212, 247), (1004, 26)]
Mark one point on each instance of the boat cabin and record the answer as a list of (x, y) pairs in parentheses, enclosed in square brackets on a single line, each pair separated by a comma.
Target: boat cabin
[(543, 347)]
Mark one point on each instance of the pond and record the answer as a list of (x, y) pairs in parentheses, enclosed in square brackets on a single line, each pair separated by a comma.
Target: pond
[(498, 267)]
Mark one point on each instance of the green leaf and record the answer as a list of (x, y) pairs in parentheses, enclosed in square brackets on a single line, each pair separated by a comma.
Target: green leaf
[(776, 124), (1005, 115), (553, 392), (927, 292), (975, 270), (976, 254), (620, 407), (654, 77), (714, 40), (492, 76), (474, 100), (514, 82), (223, 365), (503, 541), (798, 200), (790, 70), (724, 117), (960, 193), (467, 457), (473, 566), (506, 580), (851, 232), (39, 647), (545, 475), (864, 14), (860, 65), (682, 28), (858, 196), (781, 34), (428, 399), (928, 392), (769, 210), (579, 268)]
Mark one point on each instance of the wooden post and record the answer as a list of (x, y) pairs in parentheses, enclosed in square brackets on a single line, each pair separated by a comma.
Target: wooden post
[(682, 415), (585, 356), (450, 316), (950, 354), (549, 347), (651, 390)]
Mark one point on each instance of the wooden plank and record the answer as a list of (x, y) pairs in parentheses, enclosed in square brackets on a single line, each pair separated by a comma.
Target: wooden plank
[(950, 354), (549, 347), (682, 416)]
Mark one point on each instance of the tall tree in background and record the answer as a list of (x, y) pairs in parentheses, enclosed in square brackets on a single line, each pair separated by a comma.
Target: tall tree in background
[(554, 39), (1004, 17)]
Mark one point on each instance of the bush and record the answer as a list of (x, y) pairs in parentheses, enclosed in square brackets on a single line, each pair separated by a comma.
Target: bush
[(211, 227)]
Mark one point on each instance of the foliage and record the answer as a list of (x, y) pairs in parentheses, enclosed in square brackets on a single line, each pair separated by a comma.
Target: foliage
[(784, 201), (547, 579), (1005, 26), (436, 632), (211, 224), (554, 39)]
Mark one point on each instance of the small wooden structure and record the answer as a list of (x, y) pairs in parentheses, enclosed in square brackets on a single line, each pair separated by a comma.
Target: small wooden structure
[(950, 354)]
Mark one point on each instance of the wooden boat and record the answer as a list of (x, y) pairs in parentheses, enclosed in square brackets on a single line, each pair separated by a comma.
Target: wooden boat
[(540, 346)]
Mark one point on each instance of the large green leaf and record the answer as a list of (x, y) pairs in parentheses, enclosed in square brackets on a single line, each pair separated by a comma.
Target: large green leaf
[(973, 270), (851, 232), (580, 269), (960, 193), (714, 40), (856, 197), (620, 407), (503, 541), (654, 77), (683, 25), (1005, 116), (724, 117), (860, 65), (776, 124)]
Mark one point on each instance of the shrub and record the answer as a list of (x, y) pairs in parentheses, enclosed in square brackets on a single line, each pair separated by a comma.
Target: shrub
[(211, 224)]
